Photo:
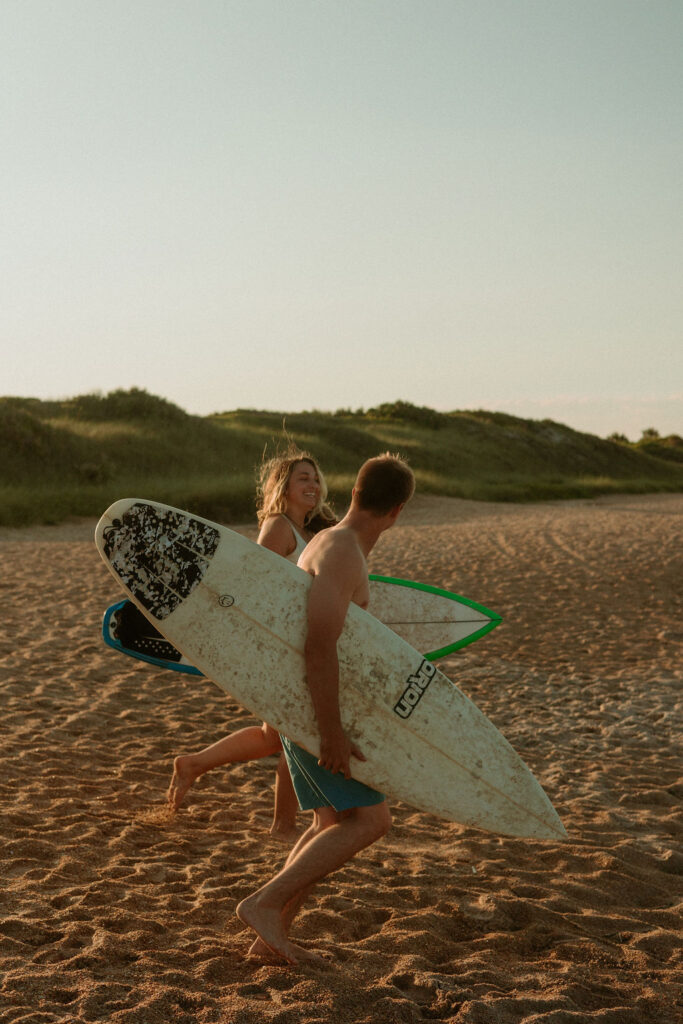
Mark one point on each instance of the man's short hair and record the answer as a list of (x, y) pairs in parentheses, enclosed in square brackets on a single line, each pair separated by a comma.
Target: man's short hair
[(384, 483)]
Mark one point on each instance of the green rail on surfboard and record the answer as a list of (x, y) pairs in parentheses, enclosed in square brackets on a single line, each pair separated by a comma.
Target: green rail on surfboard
[(434, 620), (435, 612)]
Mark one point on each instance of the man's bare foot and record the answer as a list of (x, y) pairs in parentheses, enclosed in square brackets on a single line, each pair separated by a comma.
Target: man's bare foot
[(267, 923), (184, 774), (259, 949)]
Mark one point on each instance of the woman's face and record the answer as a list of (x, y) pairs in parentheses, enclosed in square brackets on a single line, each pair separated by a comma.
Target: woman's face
[(303, 489)]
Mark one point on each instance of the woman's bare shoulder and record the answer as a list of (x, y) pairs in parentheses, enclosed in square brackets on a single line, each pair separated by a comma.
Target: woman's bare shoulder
[(277, 534)]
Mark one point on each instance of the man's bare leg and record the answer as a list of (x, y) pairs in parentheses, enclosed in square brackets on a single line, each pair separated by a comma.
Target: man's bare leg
[(322, 854), (245, 745), (323, 817)]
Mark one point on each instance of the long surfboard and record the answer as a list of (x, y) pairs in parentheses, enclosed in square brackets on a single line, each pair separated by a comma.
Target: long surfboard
[(238, 612), (432, 620)]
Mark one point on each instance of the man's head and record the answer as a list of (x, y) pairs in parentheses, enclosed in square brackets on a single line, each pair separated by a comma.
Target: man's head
[(383, 485)]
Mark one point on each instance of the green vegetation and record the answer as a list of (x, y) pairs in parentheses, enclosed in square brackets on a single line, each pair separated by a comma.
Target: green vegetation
[(73, 458)]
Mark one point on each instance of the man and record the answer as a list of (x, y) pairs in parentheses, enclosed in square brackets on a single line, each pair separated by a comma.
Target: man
[(348, 815)]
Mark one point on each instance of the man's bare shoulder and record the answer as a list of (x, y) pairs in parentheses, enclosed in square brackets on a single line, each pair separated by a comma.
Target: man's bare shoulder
[(337, 564), (333, 548)]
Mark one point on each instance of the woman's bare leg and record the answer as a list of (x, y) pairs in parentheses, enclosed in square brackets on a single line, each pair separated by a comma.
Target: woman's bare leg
[(286, 804), (245, 745)]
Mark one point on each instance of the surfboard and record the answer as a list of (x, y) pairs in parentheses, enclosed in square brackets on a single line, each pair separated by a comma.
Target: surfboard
[(432, 620), (238, 613)]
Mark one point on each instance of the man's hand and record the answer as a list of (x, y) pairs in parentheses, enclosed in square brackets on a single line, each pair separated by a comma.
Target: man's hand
[(336, 751)]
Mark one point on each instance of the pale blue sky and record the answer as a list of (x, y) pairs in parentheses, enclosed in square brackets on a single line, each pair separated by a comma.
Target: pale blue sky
[(295, 204)]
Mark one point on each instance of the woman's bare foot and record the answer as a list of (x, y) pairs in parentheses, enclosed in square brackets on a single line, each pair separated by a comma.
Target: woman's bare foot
[(284, 831), (184, 774)]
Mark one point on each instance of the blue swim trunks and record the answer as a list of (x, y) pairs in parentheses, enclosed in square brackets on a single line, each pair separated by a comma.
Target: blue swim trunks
[(318, 787)]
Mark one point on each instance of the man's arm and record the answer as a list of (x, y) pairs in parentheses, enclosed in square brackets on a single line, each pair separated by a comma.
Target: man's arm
[(333, 585)]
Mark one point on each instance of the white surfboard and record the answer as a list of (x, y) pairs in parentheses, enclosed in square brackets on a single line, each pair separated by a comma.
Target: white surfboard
[(238, 612)]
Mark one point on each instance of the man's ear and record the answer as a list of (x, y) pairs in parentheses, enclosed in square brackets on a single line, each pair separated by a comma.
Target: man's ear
[(395, 512)]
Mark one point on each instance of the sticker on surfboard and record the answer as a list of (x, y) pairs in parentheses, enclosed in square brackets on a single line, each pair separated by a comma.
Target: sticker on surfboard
[(160, 555)]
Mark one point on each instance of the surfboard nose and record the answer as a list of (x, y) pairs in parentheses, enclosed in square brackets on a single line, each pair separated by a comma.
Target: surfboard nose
[(552, 827), (541, 820)]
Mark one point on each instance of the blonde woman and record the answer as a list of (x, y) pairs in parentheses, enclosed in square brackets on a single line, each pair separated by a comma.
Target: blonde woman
[(292, 497)]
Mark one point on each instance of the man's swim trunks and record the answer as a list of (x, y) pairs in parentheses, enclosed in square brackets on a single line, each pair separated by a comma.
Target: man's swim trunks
[(318, 787)]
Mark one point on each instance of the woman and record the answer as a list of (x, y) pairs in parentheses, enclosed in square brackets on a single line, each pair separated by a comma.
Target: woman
[(292, 507)]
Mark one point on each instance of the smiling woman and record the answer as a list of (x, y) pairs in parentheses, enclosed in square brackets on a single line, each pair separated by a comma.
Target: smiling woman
[(292, 500)]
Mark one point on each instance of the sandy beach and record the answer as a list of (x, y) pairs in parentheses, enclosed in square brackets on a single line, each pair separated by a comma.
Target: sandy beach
[(114, 910)]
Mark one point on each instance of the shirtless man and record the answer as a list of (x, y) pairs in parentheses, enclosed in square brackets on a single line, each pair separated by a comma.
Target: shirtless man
[(348, 815)]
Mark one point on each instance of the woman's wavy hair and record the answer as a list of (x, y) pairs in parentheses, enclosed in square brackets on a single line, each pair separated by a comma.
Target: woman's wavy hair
[(273, 480)]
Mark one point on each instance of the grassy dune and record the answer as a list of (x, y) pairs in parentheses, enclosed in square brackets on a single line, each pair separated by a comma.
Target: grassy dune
[(74, 457)]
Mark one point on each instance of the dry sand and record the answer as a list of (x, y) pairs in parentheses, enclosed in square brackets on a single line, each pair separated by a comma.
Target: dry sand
[(113, 911)]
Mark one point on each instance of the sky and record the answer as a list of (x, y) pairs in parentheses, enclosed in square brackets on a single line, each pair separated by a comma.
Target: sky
[(327, 204)]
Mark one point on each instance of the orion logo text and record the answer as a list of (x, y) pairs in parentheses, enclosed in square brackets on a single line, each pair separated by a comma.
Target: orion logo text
[(417, 684)]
